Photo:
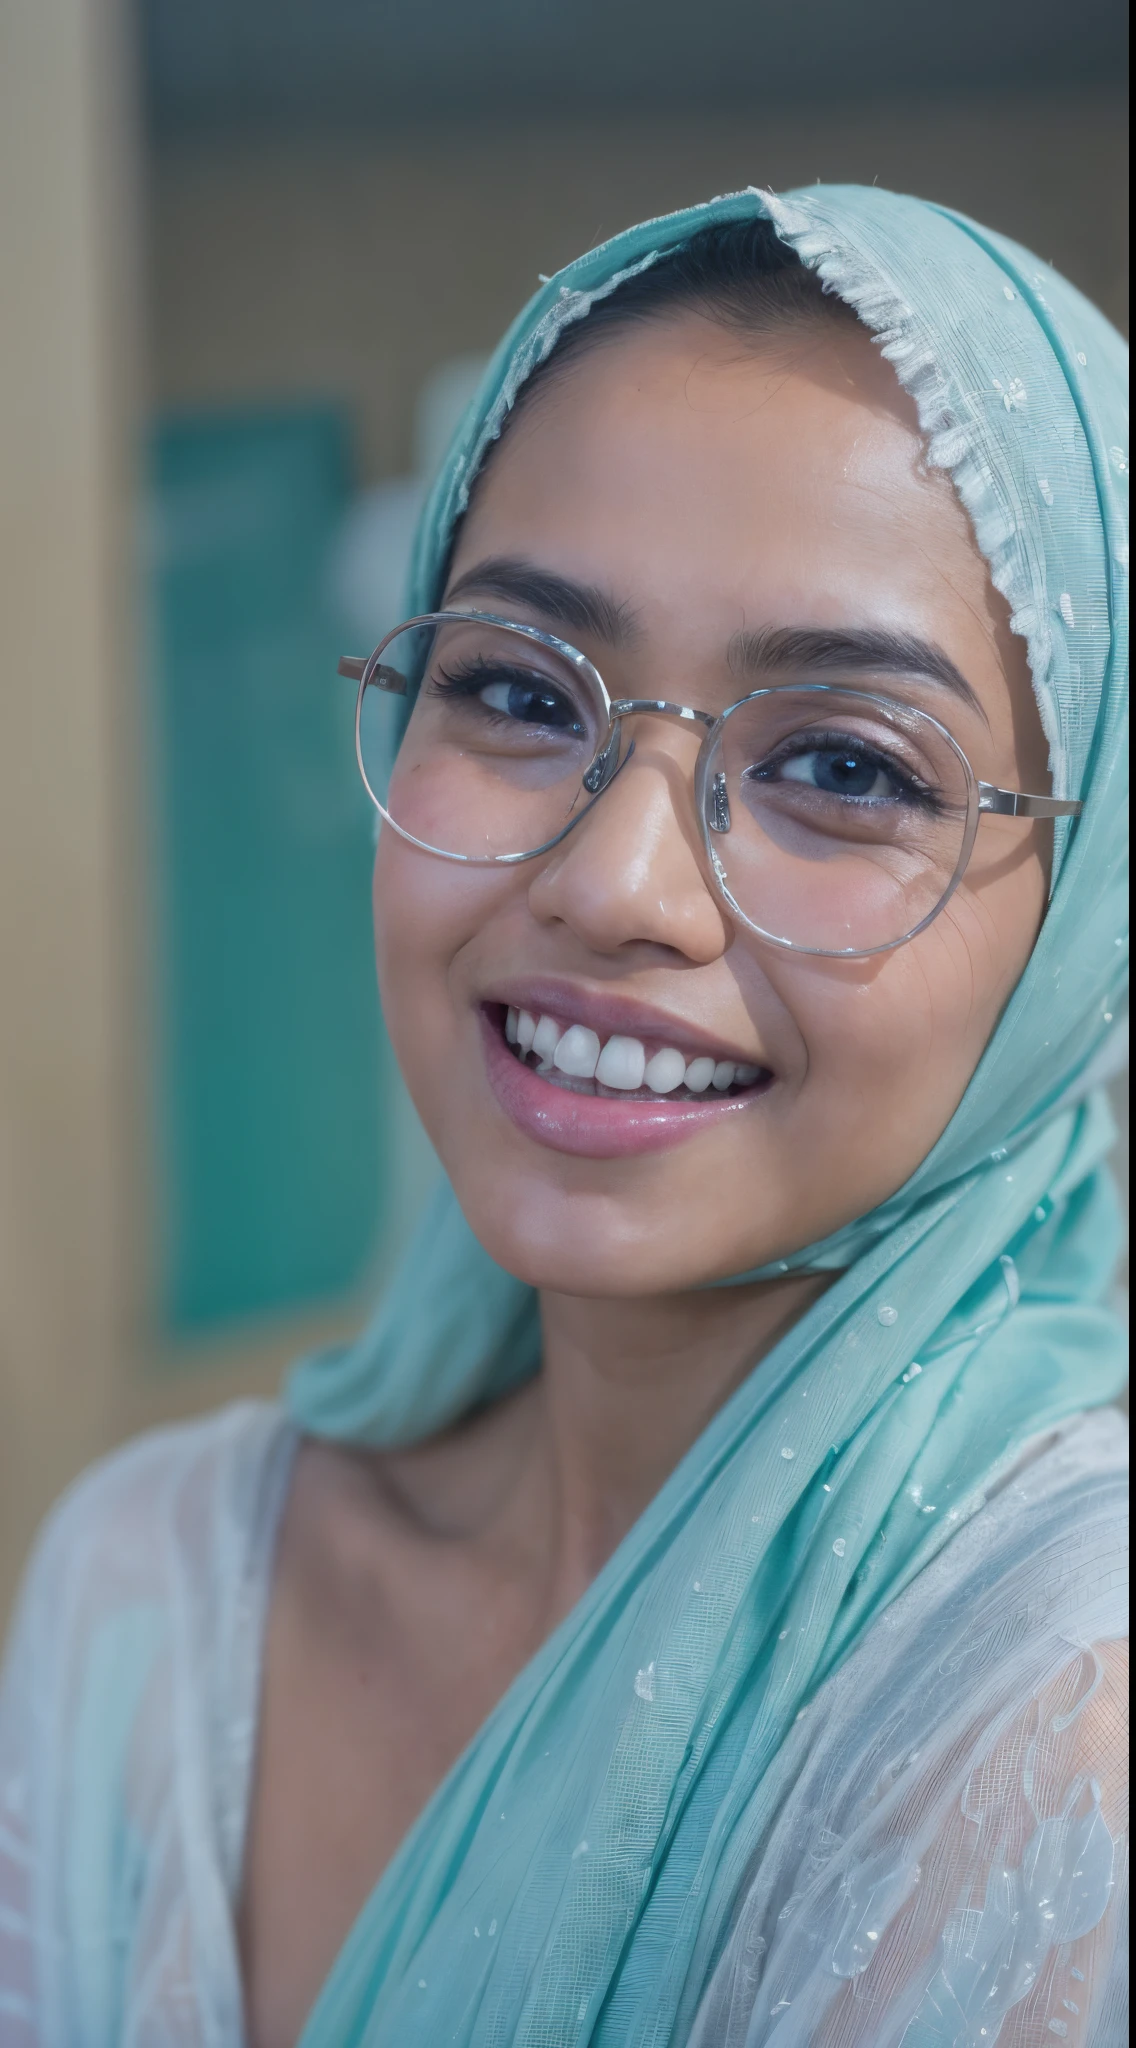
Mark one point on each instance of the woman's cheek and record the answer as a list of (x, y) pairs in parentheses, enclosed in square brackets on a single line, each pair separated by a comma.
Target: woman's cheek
[(430, 917), (892, 1054), (895, 1055), (412, 951)]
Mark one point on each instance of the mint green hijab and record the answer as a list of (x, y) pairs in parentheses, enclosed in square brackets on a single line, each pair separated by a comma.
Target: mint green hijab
[(573, 1878)]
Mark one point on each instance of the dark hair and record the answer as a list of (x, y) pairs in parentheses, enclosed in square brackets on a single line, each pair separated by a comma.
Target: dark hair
[(742, 276)]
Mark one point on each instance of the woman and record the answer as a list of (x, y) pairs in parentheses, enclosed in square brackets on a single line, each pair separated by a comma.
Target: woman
[(750, 928)]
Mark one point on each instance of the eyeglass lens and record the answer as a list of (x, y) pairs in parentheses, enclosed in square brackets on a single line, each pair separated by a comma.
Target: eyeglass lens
[(836, 820)]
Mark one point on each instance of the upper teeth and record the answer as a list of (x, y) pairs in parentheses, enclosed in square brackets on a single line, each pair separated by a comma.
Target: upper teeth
[(622, 1062)]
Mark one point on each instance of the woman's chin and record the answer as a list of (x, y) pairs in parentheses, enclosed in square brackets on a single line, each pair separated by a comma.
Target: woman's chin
[(573, 1243)]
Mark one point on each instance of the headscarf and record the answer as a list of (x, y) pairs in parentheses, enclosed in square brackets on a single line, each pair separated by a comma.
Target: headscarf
[(573, 1877)]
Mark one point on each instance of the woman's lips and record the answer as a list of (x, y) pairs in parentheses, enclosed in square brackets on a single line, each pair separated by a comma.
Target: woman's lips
[(595, 1126)]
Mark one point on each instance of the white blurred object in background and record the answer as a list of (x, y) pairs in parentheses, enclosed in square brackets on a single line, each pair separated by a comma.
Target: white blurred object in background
[(371, 556)]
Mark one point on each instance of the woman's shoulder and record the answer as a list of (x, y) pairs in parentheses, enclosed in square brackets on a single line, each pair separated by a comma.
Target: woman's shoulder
[(163, 1494), (950, 1834), (127, 1719), (180, 1517), (1032, 1583)]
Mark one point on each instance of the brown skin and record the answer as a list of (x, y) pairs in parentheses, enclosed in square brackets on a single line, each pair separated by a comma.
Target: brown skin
[(706, 487)]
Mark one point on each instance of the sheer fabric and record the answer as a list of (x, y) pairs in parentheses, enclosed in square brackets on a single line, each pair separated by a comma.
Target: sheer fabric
[(127, 1724), (946, 1857), (949, 1864)]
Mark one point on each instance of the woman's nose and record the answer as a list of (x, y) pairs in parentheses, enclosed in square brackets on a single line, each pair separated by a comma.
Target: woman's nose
[(632, 870)]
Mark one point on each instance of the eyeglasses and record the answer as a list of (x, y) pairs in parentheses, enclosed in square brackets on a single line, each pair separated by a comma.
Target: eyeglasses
[(836, 819)]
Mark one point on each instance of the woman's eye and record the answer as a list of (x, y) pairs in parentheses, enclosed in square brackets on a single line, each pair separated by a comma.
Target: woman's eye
[(533, 703), (841, 771), (521, 699)]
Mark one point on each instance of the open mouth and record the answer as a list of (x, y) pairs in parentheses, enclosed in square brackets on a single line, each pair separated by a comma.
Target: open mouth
[(620, 1068)]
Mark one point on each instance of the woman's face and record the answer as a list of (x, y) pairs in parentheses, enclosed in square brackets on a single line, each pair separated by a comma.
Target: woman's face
[(684, 489)]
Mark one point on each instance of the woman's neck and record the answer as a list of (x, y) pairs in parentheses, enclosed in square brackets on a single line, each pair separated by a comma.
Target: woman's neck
[(626, 1388), (541, 1487)]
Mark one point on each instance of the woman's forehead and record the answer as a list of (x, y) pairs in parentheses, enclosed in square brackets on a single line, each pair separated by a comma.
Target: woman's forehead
[(674, 442), (705, 493), (698, 505)]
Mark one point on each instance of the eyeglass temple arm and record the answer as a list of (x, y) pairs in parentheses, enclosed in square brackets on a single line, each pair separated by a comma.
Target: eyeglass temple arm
[(357, 667), (1014, 803)]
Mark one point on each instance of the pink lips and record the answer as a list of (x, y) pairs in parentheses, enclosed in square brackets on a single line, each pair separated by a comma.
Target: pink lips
[(594, 1126)]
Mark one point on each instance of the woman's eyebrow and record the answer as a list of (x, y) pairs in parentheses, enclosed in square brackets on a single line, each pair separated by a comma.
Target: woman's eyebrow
[(850, 650), (582, 606), (765, 650)]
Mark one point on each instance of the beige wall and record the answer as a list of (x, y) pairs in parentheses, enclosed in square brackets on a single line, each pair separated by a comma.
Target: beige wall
[(343, 270), (67, 334), (353, 270)]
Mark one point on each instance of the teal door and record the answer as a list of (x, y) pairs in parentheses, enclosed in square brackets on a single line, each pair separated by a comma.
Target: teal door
[(269, 1068)]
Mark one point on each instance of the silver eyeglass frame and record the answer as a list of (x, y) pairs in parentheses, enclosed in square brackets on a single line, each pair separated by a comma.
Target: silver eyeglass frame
[(711, 800)]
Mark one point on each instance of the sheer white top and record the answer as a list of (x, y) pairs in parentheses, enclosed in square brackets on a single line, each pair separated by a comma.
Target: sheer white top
[(947, 1863)]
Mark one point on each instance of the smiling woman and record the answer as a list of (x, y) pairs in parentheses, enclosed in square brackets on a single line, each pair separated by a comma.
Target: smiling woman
[(710, 514), (689, 1613)]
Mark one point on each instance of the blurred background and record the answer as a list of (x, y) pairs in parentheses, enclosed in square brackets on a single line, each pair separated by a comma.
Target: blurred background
[(252, 255)]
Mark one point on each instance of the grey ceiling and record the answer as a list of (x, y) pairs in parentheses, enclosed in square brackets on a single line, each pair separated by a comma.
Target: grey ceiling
[(375, 63)]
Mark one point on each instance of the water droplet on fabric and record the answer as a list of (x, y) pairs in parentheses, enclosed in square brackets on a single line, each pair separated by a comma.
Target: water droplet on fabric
[(493, 1927), (787, 1453), (581, 1849), (645, 1681), (1010, 1277), (1008, 292), (887, 1315), (782, 1635), (1046, 489), (422, 1983), (1065, 607), (839, 1547), (1040, 1213), (1082, 358), (872, 1894)]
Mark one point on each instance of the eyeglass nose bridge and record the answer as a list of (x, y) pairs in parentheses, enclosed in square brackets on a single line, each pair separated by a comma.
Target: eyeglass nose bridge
[(627, 707), (602, 768)]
